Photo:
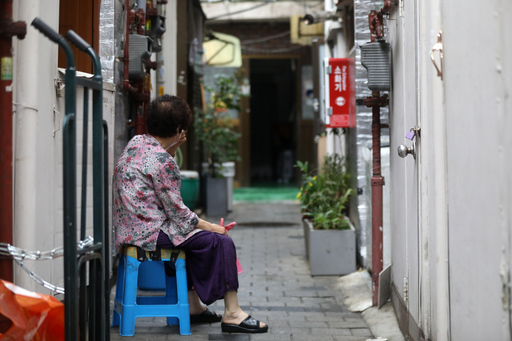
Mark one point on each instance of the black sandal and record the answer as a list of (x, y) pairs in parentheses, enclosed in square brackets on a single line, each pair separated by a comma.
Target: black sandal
[(206, 316), (249, 325)]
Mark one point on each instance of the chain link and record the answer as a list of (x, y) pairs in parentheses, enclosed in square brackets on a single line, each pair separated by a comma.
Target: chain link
[(20, 255)]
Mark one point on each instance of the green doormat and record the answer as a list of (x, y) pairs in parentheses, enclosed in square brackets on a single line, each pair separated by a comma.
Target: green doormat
[(253, 194)]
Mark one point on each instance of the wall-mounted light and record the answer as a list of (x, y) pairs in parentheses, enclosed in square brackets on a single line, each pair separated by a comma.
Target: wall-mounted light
[(318, 17)]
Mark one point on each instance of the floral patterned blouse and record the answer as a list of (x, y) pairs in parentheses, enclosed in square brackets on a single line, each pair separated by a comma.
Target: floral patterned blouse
[(147, 197)]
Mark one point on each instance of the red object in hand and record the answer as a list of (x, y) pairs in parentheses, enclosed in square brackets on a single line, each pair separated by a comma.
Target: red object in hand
[(229, 227)]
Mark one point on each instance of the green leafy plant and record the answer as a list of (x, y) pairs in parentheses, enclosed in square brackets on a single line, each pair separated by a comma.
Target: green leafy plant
[(225, 93), (324, 197), (215, 128)]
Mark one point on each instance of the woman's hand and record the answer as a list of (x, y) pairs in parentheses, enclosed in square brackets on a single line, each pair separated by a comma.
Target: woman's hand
[(204, 225), (183, 139), (219, 229)]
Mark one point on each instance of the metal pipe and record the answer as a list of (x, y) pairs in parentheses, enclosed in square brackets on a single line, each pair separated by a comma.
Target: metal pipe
[(386, 7), (376, 24), (376, 21), (126, 55), (377, 181), (8, 29), (6, 215)]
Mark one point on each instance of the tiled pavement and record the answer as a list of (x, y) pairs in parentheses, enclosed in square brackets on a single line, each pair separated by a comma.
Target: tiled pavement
[(275, 287)]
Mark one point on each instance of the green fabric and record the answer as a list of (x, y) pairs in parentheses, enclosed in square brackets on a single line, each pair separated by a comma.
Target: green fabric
[(257, 193)]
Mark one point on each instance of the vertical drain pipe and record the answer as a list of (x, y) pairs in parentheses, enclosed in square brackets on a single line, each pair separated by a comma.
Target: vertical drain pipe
[(126, 54), (375, 57), (377, 181), (8, 29)]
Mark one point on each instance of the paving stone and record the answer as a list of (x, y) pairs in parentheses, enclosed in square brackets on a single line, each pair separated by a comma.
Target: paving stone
[(330, 331), (229, 337), (347, 324), (309, 324), (349, 338), (272, 337), (361, 332), (301, 337), (327, 317)]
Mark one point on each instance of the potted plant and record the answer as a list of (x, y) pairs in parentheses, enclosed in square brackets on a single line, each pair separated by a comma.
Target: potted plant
[(329, 235), (215, 128)]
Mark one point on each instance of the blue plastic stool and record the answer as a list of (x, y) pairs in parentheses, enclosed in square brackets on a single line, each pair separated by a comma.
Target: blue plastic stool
[(174, 305)]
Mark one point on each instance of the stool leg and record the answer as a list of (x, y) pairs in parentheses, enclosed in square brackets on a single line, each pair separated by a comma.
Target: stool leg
[(182, 289), (127, 325), (116, 318), (171, 296)]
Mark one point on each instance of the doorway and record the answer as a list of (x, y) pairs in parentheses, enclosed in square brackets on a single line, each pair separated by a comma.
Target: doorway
[(272, 121)]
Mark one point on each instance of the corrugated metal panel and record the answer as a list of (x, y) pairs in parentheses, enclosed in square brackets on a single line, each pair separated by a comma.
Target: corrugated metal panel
[(375, 58)]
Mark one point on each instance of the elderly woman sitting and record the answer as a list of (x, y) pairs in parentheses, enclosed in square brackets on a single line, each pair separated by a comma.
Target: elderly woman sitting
[(149, 212)]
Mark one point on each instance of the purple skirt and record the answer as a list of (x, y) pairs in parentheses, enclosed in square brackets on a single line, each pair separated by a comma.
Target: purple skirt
[(211, 264)]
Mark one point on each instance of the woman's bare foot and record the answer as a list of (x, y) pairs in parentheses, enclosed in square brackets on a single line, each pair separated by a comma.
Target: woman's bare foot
[(194, 303)]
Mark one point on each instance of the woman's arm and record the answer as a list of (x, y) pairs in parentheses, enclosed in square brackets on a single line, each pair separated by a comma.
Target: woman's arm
[(204, 225)]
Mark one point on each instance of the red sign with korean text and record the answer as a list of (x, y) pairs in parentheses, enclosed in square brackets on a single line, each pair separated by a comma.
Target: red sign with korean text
[(341, 96)]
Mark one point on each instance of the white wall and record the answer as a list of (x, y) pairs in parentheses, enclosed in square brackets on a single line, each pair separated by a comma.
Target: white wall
[(38, 118), (451, 207)]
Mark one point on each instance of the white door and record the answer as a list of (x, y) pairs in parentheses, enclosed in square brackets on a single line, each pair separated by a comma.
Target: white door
[(404, 171), (477, 77), (417, 213)]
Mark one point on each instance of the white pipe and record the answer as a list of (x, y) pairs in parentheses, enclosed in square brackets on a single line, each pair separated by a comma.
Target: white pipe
[(168, 76), (329, 6), (141, 4), (33, 109)]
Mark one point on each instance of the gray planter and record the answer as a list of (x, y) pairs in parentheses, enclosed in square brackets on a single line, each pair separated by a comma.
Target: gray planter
[(228, 171), (216, 197), (330, 252)]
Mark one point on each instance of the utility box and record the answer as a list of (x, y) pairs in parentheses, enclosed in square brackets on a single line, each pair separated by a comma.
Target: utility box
[(375, 58), (139, 51)]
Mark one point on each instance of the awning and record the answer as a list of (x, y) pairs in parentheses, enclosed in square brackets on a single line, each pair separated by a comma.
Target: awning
[(222, 50)]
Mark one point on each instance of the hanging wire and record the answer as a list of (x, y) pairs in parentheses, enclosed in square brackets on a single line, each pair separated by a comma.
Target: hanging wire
[(267, 38), (178, 157), (20, 255), (269, 51), (241, 11)]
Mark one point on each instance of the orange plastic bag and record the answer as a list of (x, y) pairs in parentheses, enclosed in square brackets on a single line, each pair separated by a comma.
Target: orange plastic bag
[(32, 316)]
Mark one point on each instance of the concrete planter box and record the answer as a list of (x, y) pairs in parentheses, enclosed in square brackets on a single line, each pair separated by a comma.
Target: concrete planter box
[(228, 171), (216, 197), (330, 252)]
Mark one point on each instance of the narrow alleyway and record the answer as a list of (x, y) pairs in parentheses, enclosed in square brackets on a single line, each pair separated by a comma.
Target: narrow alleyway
[(275, 287)]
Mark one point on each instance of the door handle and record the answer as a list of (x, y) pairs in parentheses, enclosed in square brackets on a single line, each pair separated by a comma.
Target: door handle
[(438, 47), (403, 150)]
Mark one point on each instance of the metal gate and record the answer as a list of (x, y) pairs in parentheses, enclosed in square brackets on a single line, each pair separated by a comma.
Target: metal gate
[(87, 270)]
